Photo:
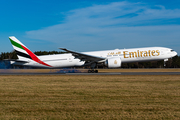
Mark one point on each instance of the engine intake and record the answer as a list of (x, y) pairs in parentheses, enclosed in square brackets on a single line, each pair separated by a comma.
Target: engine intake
[(113, 62)]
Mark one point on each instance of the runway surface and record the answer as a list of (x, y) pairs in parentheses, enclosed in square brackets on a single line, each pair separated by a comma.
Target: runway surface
[(85, 72), (111, 73), (128, 73)]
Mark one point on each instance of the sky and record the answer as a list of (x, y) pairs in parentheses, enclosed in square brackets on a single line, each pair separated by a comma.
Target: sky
[(90, 25)]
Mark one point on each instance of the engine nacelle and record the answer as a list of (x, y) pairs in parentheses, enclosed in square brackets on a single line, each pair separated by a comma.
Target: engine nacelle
[(113, 62)]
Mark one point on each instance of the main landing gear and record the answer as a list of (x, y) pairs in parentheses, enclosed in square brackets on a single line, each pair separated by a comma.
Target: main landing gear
[(93, 65), (92, 71)]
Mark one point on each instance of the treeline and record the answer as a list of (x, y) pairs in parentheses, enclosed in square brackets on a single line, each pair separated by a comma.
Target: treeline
[(13, 55), (8, 55), (171, 63), (47, 52)]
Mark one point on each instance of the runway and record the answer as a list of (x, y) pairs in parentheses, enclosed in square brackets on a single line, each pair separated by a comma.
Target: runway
[(128, 73), (85, 72), (106, 73)]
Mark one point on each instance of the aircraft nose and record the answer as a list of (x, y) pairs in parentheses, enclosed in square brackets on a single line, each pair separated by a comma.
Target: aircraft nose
[(175, 53)]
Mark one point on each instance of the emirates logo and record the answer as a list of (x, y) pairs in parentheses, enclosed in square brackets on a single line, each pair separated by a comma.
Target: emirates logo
[(115, 62)]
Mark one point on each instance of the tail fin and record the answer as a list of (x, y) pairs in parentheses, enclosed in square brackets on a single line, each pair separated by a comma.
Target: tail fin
[(21, 50), (23, 53)]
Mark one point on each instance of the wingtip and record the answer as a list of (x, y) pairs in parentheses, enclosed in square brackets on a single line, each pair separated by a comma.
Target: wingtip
[(62, 48)]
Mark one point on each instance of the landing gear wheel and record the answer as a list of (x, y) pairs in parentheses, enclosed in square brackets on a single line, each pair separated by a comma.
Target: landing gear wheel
[(96, 71), (92, 71)]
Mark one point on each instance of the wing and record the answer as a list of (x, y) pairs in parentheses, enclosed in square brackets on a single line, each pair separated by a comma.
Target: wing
[(84, 57)]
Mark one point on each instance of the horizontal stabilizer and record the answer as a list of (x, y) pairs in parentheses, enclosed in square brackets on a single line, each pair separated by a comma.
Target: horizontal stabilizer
[(16, 60)]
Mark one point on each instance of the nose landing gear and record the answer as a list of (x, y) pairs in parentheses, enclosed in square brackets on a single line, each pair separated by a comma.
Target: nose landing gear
[(165, 60)]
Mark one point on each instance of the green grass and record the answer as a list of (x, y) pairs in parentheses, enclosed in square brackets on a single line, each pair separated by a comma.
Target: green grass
[(90, 97)]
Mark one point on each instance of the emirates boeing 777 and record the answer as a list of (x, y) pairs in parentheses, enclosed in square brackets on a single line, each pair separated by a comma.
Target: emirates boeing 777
[(110, 58)]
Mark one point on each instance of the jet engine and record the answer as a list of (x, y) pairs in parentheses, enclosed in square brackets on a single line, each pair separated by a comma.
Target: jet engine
[(113, 62)]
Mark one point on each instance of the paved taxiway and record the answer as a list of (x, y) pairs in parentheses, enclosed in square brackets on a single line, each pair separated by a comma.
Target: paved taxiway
[(110, 73)]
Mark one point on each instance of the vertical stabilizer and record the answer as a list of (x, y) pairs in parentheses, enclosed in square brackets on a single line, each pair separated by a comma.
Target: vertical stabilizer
[(23, 53), (20, 49)]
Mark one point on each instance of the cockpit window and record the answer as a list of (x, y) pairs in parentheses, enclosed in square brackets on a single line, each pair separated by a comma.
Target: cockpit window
[(172, 50)]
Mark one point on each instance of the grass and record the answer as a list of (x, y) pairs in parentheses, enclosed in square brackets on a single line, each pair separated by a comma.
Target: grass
[(90, 97)]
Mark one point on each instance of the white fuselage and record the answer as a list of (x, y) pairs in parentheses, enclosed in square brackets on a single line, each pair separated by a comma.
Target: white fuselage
[(125, 55)]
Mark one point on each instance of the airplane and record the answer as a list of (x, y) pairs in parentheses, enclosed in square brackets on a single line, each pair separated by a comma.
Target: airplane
[(109, 58)]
